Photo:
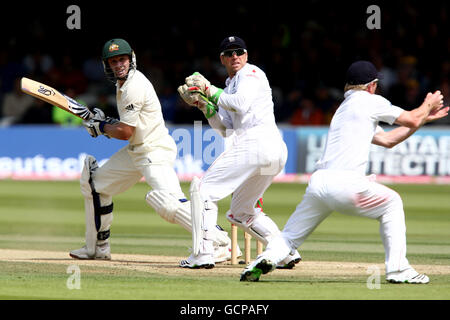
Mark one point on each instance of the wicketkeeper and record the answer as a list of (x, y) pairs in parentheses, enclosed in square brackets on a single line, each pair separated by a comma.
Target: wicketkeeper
[(150, 153), (247, 167)]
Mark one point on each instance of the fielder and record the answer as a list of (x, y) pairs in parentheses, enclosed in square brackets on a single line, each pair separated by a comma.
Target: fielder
[(257, 153), (339, 182), (151, 153)]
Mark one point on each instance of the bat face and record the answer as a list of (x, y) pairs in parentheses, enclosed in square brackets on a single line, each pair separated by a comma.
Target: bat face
[(54, 97)]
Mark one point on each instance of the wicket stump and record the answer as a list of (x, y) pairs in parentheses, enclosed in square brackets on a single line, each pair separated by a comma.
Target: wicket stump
[(247, 246)]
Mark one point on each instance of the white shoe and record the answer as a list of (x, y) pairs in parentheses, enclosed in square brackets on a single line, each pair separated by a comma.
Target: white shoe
[(254, 270), (102, 252), (290, 261), (201, 261), (407, 276), (223, 253)]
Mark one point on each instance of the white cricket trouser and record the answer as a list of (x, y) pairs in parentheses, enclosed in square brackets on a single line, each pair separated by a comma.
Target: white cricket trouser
[(350, 193), (245, 170), (124, 169)]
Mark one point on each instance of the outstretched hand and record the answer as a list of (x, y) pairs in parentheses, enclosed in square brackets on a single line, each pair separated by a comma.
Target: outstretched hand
[(199, 84), (193, 93), (189, 95), (435, 101), (438, 114), (438, 111)]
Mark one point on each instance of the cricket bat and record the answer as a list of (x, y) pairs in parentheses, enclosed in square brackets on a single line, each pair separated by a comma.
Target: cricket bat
[(56, 98)]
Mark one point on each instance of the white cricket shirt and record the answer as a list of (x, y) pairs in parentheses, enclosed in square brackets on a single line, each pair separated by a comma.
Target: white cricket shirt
[(247, 100), (138, 106), (352, 129)]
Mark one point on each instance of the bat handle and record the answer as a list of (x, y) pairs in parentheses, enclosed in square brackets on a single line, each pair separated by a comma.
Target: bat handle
[(89, 116)]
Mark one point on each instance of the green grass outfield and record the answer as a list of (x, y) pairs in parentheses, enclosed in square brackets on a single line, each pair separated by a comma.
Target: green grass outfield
[(49, 216)]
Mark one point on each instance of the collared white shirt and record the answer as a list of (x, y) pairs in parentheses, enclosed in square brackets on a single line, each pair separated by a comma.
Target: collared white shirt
[(352, 129), (247, 100), (138, 106)]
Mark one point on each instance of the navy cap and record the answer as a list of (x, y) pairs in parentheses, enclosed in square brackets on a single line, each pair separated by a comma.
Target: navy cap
[(232, 41), (361, 72)]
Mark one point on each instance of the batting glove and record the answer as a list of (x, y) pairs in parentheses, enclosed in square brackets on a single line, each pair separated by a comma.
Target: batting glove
[(196, 80), (95, 126)]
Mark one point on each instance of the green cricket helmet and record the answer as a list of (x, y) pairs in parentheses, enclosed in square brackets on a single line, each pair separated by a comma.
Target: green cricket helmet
[(117, 47)]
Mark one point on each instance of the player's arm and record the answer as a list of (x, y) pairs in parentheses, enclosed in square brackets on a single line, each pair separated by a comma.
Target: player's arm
[(110, 128), (240, 101), (100, 124), (389, 139), (119, 130), (220, 122), (217, 119), (432, 105), (243, 98), (410, 123)]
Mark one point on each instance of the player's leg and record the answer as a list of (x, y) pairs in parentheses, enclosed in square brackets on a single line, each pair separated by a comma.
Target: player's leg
[(169, 201), (307, 216), (386, 205), (179, 212), (219, 181), (98, 218), (206, 233), (364, 197), (204, 217), (98, 185), (393, 235), (253, 220), (245, 159), (166, 196)]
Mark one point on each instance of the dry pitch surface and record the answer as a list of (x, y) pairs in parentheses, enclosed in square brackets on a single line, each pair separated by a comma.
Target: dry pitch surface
[(169, 265)]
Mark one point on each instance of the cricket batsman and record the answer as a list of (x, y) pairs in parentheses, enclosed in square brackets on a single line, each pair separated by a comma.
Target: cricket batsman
[(150, 153)]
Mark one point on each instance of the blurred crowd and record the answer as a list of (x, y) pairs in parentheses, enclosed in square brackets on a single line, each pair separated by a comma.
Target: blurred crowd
[(305, 60)]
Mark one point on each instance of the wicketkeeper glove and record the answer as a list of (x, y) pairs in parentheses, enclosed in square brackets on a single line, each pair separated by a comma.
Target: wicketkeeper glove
[(204, 87), (95, 125), (187, 94), (193, 97)]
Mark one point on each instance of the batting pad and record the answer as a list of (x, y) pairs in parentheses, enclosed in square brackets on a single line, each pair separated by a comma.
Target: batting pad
[(170, 208), (98, 219), (196, 215), (259, 226)]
